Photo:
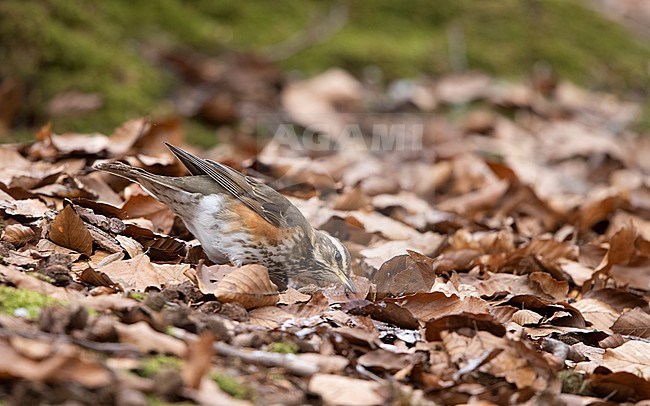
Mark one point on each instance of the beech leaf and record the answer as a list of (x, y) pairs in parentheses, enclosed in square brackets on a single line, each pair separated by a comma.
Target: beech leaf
[(68, 230), (248, 285)]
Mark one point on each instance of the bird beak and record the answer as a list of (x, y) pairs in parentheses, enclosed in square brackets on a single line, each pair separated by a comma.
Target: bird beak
[(347, 282)]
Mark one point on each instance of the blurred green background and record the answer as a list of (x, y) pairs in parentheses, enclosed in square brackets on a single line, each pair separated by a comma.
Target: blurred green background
[(49, 47)]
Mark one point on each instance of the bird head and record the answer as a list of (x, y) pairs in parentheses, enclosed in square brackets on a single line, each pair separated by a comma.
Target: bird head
[(332, 260)]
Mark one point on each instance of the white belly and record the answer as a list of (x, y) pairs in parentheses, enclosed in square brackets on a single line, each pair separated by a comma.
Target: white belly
[(208, 228)]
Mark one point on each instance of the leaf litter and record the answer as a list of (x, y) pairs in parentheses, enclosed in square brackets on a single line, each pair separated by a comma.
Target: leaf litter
[(505, 261)]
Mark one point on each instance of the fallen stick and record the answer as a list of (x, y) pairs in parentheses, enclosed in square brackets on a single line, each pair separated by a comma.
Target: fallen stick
[(290, 362)]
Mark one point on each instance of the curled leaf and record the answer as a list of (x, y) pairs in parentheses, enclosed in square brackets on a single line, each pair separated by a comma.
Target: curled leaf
[(248, 285), (18, 234)]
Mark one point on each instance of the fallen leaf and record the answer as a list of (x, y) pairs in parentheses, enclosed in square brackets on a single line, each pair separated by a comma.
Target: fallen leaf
[(198, 360), (327, 364), (620, 386), (145, 206), (269, 316), (28, 207), (635, 322), (146, 339), (517, 363), (248, 285), (632, 356), (343, 390), (66, 365), (18, 234), (131, 246), (292, 296), (68, 230), (381, 359), (462, 322), (599, 314), (139, 273), (80, 143), (434, 305), (404, 275), (526, 317)]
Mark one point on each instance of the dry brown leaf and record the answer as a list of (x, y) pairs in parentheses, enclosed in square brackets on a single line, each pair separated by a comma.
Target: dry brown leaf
[(248, 285), (434, 305), (146, 339), (145, 206), (599, 314), (404, 274), (462, 322), (126, 135), (139, 273), (131, 246), (104, 303), (68, 230), (415, 211), (381, 359), (620, 386), (28, 207), (67, 364), (619, 299), (337, 293), (342, 390), (376, 254), (198, 360), (525, 317), (374, 222), (292, 296), (636, 322), (18, 172), (516, 362), (18, 234), (84, 143), (632, 356), (472, 202), (24, 281), (95, 278), (327, 364), (269, 316), (314, 101), (578, 272)]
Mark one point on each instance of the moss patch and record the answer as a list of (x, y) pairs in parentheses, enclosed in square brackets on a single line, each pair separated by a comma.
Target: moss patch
[(284, 347), (137, 296), (152, 366), (574, 383), (234, 387), (12, 300), (104, 47)]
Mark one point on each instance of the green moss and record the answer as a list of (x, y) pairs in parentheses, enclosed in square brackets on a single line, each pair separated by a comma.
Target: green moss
[(151, 366), (137, 296), (234, 387), (56, 46), (42, 277), (200, 134), (574, 382), (153, 400), (284, 347), (12, 299)]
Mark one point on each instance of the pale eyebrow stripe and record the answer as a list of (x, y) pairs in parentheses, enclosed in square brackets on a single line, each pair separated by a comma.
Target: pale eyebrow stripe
[(340, 247)]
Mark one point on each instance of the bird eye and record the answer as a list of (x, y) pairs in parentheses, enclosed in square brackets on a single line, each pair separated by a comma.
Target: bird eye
[(338, 257)]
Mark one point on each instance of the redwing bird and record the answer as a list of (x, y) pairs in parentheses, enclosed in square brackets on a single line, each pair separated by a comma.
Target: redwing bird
[(237, 218)]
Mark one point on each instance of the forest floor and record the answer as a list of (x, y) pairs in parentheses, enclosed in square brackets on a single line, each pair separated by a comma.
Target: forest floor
[(501, 245)]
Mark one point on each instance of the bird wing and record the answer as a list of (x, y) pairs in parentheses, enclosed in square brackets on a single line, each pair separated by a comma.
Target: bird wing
[(262, 199)]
